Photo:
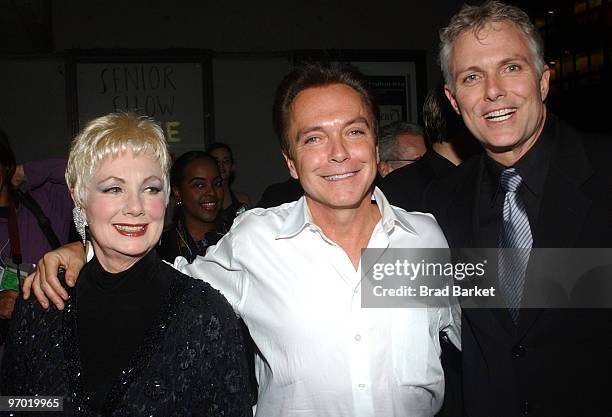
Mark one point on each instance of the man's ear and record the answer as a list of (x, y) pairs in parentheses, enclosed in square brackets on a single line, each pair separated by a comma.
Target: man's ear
[(451, 98), (377, 154), (291, 166), (544, 80), (383, 168)]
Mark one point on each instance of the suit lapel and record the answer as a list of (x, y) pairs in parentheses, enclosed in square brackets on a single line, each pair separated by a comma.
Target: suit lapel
[(462, 214), (563, 212), (564, 208)]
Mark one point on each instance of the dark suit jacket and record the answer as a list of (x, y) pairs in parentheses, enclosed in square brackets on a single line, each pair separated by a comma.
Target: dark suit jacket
[(279, 193), (555, 362), (404, 187)]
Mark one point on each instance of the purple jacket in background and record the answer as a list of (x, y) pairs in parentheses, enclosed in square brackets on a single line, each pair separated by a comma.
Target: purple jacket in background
[(47, 185)]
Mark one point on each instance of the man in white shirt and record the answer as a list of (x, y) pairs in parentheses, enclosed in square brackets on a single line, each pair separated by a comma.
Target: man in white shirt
[(293, 273)]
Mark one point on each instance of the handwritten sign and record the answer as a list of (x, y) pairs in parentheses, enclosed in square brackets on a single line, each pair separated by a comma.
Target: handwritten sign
[(169, 92)]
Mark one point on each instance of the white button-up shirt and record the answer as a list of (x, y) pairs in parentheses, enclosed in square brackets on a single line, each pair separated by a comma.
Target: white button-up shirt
[(322, 354)]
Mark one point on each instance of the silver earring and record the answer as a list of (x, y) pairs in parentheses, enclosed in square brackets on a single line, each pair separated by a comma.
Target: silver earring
[(80, 222)]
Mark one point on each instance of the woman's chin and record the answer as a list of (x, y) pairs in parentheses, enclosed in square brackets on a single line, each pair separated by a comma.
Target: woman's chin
[(121, 258)]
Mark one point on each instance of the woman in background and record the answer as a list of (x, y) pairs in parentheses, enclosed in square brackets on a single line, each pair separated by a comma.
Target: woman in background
[(35, 216), (137, 337), (197, 188), (234, 202)]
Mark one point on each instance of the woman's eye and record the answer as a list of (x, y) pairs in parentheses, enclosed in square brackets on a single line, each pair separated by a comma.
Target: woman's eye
[(112, 190), (153, 190)]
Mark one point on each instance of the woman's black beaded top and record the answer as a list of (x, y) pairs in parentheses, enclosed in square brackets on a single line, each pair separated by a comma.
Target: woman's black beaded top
[(188, 361)]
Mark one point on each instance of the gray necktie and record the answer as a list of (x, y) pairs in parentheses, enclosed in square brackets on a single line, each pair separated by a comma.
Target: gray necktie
[(514, 232)]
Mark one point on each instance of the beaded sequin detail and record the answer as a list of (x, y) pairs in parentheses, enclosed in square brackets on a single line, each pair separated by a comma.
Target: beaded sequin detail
[(191, 362)]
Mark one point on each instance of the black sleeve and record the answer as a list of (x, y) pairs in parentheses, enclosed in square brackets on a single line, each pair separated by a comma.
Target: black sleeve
[(225, 386), (453, 382), (33, 363), (14, 368)]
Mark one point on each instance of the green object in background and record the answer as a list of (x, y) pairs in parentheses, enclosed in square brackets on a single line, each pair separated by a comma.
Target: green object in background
[(9, 280)]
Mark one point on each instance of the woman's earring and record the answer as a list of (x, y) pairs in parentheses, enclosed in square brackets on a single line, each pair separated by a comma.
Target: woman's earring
[(79, 222)]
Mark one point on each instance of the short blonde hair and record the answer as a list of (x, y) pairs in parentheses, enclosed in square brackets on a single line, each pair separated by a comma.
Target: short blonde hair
[(110, 135)]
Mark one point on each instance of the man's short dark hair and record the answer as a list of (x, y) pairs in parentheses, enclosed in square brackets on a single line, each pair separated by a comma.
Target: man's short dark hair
[(440, 120), (387, 146), (313, 75)]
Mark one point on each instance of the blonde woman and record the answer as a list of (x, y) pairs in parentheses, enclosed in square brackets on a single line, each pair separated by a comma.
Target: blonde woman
[(137, 336)]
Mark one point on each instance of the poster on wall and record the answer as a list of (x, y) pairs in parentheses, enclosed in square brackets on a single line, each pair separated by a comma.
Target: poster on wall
[(392, 95), (397, 78), (174, 89)]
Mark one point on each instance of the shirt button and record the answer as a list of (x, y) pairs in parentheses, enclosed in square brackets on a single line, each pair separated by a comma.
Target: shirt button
[(358, 337), (518, 351)]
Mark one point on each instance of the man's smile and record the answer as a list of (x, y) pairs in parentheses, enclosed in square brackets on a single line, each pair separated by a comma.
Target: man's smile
[(500, 115), (338, 177)]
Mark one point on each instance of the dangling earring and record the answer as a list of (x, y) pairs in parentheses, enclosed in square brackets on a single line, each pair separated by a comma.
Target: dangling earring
[(80, 222)]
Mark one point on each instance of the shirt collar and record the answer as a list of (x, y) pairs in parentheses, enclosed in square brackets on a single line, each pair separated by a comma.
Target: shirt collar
[(532, 167), (389, 218), (299, 217)]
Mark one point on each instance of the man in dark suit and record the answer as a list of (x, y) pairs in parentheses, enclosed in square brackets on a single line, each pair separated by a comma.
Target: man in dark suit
[(444, 130), (544, 362), (400, 144), (406, 165), (281, 192)]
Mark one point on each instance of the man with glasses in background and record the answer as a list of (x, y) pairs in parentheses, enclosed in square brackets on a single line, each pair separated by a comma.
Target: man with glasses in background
[(406, 165)]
